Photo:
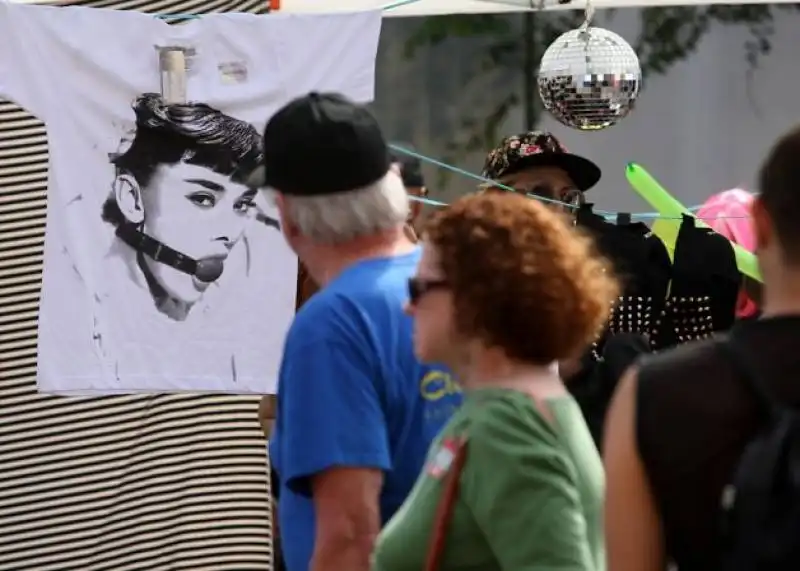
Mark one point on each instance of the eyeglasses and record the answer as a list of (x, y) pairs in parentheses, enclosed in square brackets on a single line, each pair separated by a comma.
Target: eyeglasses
[(573, 197), (418, 287)]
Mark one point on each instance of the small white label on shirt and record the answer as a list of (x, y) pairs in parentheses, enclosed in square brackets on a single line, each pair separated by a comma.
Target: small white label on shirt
[(232, 72)]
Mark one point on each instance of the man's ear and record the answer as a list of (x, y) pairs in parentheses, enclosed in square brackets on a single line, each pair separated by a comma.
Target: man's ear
[(762, 225), (128, 195)]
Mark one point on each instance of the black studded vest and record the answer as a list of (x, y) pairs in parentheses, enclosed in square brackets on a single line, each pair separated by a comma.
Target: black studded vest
[(669, 303), (663, 303)]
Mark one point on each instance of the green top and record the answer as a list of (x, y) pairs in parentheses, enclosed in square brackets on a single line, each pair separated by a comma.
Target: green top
[(530, 495)]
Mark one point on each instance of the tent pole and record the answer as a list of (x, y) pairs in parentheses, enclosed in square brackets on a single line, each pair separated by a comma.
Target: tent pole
[(530, 64)]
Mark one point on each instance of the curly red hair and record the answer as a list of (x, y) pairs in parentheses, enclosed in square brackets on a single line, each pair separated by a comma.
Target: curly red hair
[(522, 277)]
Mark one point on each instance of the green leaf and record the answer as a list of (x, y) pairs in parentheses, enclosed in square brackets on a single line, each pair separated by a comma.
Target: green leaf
[(436, 29)]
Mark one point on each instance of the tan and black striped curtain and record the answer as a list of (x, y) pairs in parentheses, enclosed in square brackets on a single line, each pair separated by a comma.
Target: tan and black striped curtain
[(142, 483)]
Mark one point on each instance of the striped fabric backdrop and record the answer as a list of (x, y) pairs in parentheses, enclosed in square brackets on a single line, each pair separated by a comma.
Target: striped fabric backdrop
[(142, 483)]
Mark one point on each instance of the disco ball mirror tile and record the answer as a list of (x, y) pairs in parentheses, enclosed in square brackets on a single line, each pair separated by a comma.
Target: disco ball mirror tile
[(589, 78)]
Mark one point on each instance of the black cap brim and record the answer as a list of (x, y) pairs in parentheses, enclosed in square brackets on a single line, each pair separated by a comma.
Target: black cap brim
[(583, 172)]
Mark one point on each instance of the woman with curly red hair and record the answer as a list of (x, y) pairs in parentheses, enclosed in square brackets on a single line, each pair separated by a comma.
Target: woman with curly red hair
[(504, 290)]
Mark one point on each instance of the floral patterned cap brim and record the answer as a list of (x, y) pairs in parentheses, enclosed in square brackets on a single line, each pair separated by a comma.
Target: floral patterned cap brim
[(539, 148)]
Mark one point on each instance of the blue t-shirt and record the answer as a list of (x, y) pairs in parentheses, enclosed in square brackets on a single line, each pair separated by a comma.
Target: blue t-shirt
[(351, 393)]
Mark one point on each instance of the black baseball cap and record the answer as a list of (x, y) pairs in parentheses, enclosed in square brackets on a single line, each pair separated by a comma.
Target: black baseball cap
[(321, 144)]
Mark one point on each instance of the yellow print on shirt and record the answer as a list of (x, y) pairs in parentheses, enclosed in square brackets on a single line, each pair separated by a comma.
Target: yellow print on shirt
[(437, 385)]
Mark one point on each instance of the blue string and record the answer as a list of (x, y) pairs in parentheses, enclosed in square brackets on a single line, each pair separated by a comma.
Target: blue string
[(607, 214), (398, 4), (482, 179)]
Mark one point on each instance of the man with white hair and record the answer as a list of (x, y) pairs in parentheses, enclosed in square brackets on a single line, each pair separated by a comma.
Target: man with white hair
[(356, 412)]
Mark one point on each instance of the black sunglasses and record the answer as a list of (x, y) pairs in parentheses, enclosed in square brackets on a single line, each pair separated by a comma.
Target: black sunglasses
[(418, 287)]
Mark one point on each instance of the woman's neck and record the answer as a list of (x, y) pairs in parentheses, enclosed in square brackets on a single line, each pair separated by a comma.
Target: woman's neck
[(493, 369)]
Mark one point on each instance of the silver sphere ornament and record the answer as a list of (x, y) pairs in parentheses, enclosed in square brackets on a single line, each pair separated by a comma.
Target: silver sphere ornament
[(589, 78)]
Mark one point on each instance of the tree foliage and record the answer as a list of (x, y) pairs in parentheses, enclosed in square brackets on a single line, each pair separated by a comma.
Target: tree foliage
[(668, 35)]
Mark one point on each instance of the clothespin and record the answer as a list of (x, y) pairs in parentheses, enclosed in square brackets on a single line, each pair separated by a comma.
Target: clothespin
[(172, 65), (623, 218), (585, 213), (586, 217)]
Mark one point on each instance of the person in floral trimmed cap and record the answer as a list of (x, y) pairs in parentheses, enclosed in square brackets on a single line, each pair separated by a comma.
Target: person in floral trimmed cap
[(537, 163)]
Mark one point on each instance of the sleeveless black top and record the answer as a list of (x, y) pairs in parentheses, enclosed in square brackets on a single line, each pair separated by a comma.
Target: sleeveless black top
[(694, 417)]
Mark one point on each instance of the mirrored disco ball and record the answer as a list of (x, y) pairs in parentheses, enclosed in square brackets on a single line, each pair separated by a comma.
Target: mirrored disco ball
[(589, 78)]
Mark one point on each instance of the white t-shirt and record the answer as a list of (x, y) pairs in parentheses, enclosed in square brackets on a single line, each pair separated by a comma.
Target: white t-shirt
[(108, 319)]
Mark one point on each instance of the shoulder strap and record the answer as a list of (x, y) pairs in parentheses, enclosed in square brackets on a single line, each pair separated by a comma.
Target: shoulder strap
[(749, 375), (444, 510)]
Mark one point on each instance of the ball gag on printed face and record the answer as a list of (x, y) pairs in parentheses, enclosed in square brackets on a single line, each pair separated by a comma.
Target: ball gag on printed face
[(589, 78)]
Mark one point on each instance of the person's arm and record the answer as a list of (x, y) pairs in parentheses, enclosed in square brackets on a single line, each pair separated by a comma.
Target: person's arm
[(348, 518), (335, 448), (523, 495), (266, 414), (306, 287), (633, 527)]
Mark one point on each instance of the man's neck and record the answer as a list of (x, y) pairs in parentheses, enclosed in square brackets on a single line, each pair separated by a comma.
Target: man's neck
[(327, 262), (781, 306), (782, 295)]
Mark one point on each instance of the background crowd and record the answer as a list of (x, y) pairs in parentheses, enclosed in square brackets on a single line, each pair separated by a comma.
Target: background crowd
[(542, 314)]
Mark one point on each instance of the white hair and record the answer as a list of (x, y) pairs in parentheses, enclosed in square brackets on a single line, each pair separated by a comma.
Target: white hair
[(337, 218)]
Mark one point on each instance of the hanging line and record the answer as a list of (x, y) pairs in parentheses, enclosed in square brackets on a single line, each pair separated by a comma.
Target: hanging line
[(398, 4), (607, 214), (483, 179)]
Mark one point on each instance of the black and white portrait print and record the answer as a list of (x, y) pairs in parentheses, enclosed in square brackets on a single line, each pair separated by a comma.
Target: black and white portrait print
[(178, 276), (178, 201), (162, 272)]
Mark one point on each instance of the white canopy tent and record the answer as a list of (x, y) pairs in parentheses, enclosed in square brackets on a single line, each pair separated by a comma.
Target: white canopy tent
[(409, 8), (401, 8)]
